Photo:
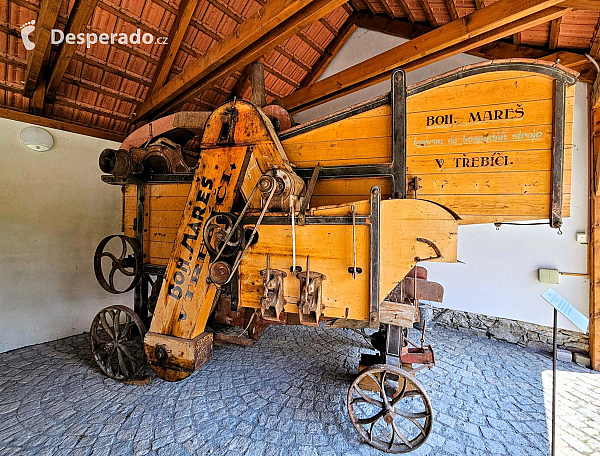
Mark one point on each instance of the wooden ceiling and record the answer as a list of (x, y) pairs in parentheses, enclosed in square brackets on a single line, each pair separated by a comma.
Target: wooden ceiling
[(106, 89)]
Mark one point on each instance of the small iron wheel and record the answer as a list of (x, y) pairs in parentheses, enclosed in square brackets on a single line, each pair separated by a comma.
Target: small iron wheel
[(390, 409), (117, 342), (216, 230), (127, 265)]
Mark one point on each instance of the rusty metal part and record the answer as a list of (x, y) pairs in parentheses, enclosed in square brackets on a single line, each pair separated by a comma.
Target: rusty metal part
[(162, 157), (418, 355), (309, 193), (155, 286), (115, 162), (273, 300), (179, 127), (433, 246), (310, 306), (173, 358), (222, 233), (390, 409), (219, 272), (117, 342), (288, 185), (405, 291), (279, 117), (127, 265)]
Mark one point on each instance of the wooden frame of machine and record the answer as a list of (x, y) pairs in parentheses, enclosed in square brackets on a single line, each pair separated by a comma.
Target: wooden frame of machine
[(326, 223)]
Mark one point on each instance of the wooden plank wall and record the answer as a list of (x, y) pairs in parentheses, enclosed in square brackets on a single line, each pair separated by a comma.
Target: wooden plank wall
[(485, 170)]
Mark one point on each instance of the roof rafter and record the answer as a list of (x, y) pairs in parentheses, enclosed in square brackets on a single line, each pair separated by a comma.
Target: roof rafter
[(80, 16), (429, 13), (46, 19), (176, 35), (274, 23), (452, 9), (554, 32), (480, 27), (331, 51)]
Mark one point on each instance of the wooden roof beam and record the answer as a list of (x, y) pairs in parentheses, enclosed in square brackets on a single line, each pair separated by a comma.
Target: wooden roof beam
[(492, 51), (80, 16), (554, 32), (277, 21), (176, 35), (331, 51), (60, 125), (44, 23), (429, 13), (480, 27), (452, 9), (404, 5)]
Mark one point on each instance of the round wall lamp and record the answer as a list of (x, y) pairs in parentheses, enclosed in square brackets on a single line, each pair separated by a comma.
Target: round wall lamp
[(36, 138)]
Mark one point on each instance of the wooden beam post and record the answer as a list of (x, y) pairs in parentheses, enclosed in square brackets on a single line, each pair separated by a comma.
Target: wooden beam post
[(80, 16), (274, 23), (498, 20), (43, 25), (176, 34), (258, 96), (554, 32), (594, 222)]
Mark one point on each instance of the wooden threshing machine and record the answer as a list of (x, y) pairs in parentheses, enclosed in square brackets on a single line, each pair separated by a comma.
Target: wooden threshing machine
[(326, 223)]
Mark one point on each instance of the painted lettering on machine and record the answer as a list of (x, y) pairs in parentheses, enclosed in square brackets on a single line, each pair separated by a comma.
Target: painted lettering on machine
[(185, 287)]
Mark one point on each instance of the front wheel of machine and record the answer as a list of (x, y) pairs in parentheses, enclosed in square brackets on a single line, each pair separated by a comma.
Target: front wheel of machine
[(390, 409), (117, 342)]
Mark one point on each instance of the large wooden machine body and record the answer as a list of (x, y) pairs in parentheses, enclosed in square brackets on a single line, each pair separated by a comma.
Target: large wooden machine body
[(376, 190)]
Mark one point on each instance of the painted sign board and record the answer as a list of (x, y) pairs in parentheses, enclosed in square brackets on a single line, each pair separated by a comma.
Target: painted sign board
[(567, 309)]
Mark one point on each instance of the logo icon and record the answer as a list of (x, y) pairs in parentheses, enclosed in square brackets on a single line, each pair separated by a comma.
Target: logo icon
[(27, 29)]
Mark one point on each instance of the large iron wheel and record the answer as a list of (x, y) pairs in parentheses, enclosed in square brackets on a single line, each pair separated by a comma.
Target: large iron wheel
[(129, 265), (390, 409), (117, 342), (216, 230)]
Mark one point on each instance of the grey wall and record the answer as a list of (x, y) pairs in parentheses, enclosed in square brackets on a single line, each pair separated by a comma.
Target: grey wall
[(54, 210), (500, 274)]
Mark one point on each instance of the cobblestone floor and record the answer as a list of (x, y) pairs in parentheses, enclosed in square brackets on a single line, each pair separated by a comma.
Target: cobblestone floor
[(285, 396)]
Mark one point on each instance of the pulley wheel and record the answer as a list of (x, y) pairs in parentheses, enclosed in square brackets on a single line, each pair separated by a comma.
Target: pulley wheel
[(390, 409), (216, 230), (117, 342), (126, 264)]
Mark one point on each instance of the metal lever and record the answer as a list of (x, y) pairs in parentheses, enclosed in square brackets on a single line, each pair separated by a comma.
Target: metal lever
[(438, 254), (354, 240)]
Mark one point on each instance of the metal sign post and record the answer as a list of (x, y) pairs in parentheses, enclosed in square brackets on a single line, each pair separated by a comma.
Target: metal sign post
[(578, 319)]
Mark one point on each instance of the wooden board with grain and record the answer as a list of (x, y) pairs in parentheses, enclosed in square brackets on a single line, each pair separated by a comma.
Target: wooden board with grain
[(478, 144)]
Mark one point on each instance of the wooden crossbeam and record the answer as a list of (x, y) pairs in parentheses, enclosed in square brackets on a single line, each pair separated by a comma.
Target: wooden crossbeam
[(80, 16), (44, 23), (492, 51), (496, 21), (331, 51), (429, 13), (274, 23), (554, 32), (176, 35)]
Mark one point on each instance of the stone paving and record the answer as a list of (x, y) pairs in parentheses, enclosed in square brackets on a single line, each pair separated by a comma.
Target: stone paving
[(285, 396)]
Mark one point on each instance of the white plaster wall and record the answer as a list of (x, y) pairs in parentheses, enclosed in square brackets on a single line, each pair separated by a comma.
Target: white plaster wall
[(500, 274), (54, 210)]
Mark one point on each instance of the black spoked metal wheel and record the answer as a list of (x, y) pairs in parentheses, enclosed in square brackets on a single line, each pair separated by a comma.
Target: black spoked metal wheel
[(128, 264), (117, 342), (217, 229), (390, 409)]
